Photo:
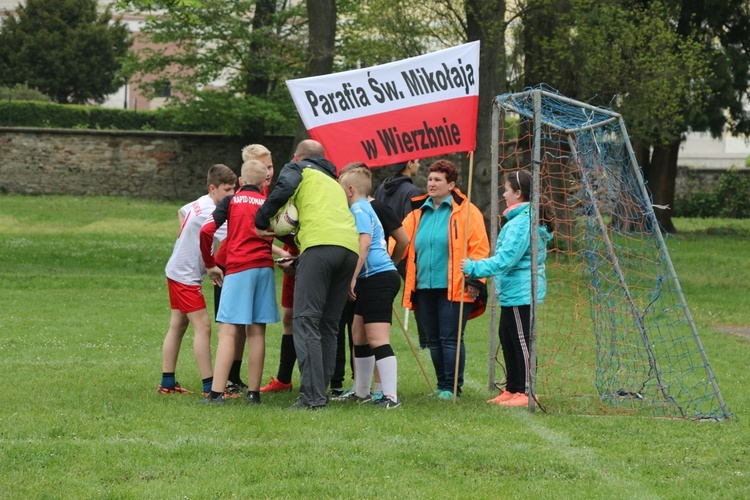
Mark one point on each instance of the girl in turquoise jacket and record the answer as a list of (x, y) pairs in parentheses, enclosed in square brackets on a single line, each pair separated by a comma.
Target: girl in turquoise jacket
[(511, 267)]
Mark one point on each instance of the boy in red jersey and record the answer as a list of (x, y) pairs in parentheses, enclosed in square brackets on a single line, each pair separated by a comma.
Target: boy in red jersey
[(248, 296)]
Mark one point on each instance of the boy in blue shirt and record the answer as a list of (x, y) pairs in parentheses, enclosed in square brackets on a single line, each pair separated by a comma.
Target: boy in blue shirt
[(374, 286)]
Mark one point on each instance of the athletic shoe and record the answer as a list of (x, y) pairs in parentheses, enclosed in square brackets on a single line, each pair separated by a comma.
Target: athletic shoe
[(253, 398), (335, 393), (388, 403), (351, 397), (446, 395), (177, 389), (213, 401), (239, 388), (205, 394), (275, 385), (377, 396), (503, 396), (518, 399), (299, 405)]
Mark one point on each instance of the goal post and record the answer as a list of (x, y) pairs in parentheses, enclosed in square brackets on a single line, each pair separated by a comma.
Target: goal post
[(614, 332)]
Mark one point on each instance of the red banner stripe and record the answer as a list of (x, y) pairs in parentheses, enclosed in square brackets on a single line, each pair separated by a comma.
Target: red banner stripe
[(406, 134)]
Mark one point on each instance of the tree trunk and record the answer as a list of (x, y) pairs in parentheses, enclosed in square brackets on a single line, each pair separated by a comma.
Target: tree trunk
[(661, 177), (321, 47), (485, 22), (258, 81)]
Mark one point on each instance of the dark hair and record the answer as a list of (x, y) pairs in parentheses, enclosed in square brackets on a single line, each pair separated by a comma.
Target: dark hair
[(521, 180), (220, 174), (447, 167)]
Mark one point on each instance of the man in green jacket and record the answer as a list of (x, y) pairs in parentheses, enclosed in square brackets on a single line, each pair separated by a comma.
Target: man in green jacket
[(329, 246)]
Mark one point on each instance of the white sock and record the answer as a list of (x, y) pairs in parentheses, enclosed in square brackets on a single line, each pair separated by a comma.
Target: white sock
[(388, 368), (364, 367)]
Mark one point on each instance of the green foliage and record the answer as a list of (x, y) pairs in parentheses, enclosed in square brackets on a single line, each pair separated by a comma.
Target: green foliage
[(230, 115), (210, 111), (52, 115), (730, 199), (64, 49), (247, 45), (22, 92), (381, 31)]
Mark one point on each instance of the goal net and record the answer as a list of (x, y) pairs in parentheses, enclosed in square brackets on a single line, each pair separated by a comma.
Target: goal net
[(614, 333)]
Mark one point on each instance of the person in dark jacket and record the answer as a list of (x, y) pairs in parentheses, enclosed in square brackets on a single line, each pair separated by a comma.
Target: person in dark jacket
[(396, 192)]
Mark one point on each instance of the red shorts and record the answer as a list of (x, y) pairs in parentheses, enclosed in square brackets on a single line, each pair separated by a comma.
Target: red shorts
[(186, 298), (287, 291), (287, 286)]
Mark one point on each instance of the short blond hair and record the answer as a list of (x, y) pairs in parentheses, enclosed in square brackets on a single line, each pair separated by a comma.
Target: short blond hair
[(358, 176), (254, 172), (254, 152)]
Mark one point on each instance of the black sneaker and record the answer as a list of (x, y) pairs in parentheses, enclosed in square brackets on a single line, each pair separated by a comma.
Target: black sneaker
[(335, 393), (351, 397), (253, 397), (236, 388), (213, 401), (387, 403), (299, 405)]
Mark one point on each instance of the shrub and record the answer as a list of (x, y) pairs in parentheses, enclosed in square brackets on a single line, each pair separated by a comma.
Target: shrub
[(23, 92), (730, 198)]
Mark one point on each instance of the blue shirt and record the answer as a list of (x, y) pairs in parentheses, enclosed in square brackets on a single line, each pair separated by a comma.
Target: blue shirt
[(431, 244), (378, 260)]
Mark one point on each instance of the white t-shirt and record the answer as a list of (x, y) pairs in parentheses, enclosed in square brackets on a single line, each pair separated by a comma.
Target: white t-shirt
[(186, 263)]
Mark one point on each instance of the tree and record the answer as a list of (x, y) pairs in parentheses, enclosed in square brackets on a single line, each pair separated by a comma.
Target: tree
[(241, 50), (64, 49), (321, 46), (668, 66)]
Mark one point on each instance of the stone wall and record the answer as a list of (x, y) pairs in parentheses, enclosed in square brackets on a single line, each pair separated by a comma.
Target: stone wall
[(155, 165), (163, 165)]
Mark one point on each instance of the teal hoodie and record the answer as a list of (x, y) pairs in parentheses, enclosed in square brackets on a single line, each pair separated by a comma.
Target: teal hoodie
[(511, 263)]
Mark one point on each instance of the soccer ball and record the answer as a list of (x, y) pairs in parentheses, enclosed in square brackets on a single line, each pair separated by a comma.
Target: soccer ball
[(285, 221)]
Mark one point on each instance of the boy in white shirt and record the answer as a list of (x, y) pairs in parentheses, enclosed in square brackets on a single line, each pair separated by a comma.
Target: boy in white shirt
[(185, 272)]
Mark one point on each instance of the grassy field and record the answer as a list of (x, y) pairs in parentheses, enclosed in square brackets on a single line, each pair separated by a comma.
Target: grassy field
[(83, 313)]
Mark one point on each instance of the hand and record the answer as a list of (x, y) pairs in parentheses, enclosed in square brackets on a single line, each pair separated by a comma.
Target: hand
[(463, 264), (287, 267), (472, 291), (216, 276), (352, 294), (265, 233)]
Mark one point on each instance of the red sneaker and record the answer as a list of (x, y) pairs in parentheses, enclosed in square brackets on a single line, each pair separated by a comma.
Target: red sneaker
[(177, 389), (503, 396), (275, 385), (518, 399)]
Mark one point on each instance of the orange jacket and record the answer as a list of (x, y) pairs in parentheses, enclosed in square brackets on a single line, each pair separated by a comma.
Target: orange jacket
[(479, 248)]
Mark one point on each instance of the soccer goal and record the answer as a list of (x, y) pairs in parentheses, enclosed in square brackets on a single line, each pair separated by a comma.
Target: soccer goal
[(614, 333)]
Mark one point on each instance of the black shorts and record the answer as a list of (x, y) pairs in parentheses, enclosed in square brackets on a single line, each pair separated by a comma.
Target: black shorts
[(375, 296)]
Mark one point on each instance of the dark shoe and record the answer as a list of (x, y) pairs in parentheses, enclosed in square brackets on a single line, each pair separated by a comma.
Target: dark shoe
[(387, 403), (351, 397), (213, 401), (238, 388), (299, 405), (335, 393), (253, 397)]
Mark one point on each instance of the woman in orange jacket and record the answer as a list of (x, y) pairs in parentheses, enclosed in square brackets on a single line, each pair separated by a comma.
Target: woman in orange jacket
[(433, 285)]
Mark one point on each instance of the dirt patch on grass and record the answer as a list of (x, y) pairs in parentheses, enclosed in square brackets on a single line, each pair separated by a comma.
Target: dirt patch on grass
[(739, 331)]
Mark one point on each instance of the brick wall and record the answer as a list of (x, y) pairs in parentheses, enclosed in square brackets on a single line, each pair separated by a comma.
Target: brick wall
[(155, 165)]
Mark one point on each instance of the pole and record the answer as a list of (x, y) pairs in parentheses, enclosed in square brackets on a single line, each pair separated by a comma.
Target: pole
[(463, 279)]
